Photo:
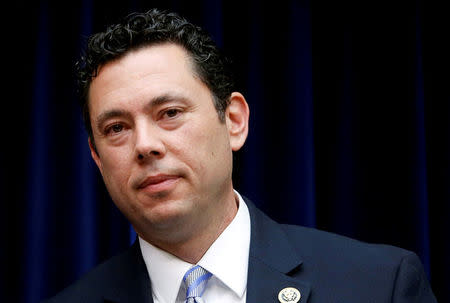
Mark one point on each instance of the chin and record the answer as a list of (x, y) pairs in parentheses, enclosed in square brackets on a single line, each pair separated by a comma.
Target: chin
[(165, 215)]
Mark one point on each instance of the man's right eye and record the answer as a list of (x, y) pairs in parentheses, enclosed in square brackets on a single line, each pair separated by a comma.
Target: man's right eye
[(115, 128)]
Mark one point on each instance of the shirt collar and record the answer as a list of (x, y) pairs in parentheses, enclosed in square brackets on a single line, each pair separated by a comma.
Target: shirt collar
[(165, 270), (226, 259)]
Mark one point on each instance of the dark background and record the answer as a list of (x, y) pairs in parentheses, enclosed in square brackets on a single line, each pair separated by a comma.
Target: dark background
[(349, 128)]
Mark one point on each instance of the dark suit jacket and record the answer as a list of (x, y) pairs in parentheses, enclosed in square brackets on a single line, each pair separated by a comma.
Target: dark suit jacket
[(324, 267)]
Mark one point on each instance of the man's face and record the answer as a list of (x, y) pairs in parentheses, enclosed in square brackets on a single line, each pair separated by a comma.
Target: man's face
[(164, 155)]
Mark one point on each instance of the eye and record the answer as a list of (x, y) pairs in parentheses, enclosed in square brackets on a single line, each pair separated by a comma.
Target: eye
[(115, 128), (172, 112)]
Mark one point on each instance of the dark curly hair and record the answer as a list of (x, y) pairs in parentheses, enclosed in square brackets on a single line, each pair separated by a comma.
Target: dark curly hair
[(139, 30)]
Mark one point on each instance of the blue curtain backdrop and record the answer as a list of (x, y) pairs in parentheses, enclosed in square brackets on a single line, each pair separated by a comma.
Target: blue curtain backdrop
[(349, 129)]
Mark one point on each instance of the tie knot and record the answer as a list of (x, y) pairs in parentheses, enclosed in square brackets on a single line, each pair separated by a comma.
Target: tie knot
[(195, 280)]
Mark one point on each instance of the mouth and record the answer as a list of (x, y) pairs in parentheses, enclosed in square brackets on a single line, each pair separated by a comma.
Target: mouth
[(158, 183)]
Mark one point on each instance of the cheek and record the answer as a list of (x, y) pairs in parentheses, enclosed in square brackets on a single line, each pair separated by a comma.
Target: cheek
[(205, 147), (187, 147), (116, 166)]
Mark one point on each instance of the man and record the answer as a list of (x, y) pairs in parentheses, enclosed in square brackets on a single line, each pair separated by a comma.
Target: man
[(163, 122)]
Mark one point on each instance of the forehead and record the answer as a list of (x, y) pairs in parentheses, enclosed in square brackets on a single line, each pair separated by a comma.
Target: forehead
[(154, 59), (156, 69)]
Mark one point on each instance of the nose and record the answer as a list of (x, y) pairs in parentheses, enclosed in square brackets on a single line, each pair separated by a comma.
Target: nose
[(149, 143)]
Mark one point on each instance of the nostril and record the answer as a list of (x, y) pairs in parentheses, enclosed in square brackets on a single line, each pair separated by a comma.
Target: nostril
[(152, 153)]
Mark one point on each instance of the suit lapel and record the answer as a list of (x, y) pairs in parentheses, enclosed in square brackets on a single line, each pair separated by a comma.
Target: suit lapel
[(271, 260), (133, 285)]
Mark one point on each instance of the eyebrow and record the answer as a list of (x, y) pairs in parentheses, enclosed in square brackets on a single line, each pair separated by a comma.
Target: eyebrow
[(109, 115), (169, 97), (156, 101)]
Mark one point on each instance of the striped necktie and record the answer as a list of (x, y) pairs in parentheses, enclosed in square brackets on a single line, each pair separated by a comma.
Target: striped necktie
[(195, 280)]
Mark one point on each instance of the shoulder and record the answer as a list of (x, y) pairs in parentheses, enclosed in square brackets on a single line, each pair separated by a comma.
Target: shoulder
[(312, 244), (317, 243), (365, 266), (107, 279), (342, 252), (336, 266)]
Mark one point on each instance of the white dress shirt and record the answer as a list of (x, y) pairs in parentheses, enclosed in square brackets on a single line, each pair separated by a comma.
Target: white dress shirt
[(226, 259)]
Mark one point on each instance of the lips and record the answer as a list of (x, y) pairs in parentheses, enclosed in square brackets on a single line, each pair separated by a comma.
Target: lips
[(158, 182)]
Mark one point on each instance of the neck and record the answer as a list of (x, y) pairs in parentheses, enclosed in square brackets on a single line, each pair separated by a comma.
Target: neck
[(190, 246)]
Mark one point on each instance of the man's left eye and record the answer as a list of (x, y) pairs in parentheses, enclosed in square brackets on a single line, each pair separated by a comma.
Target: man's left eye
[(172, 112)]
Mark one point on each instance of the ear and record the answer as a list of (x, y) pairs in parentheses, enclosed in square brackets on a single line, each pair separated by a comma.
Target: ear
[(95, 156), (236, 116)]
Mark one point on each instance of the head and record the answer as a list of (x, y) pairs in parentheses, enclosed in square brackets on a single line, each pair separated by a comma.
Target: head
[(165, 123), (139, 30)]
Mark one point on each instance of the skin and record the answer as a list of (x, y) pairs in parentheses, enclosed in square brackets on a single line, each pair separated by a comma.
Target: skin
[(164, 155)]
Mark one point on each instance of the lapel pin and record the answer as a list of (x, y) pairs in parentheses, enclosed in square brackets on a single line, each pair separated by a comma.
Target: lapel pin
[(289, 295)]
